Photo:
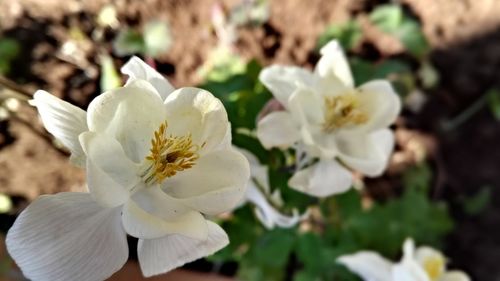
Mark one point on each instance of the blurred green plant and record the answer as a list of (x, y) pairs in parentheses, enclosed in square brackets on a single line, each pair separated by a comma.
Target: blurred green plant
[(392, 19), (9, 50), (110, 78), (250, 12), (349, 35), (493, 97), (153, 40), (344, 225)]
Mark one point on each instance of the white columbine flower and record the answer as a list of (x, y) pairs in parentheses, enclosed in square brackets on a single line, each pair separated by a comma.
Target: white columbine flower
[(422, 264), (330, 120), (259, 193), (157, 159)]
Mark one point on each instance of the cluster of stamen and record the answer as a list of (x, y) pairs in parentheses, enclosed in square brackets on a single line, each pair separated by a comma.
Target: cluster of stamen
[(434, 267), (168, 155), (342, 112)]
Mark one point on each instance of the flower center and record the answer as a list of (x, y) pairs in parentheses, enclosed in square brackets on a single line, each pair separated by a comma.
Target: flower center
[(343, 112), (168, 155), (434, 267)]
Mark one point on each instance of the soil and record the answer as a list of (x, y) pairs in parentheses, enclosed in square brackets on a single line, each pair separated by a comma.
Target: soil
[(465, 37)]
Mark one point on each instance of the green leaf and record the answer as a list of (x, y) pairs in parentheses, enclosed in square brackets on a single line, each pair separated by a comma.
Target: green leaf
[(493, 96), (387, 17), (477, 203), (272, 249), (348, 34), (418, 177), (391, 19), (9, 50), (128, 42), (109, 76)]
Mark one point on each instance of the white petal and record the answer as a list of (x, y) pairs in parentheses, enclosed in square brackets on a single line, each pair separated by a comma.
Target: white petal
[(455, 276), (368, 265), (158, 203), (278, 129), (322, 179), (266, 213), (334, 62), (307, 107), (258, 171), (161, 255), (142, 224), (215, 184), (366, 154), (282, 81), (382, 104), (136, 68), (130, 114), (63, 120), (110, 174), (409, 271), (197, 112), (427, 256), (68, 236)]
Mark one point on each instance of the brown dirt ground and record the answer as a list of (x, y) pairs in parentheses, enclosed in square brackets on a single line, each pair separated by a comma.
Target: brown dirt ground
[(467, 53)]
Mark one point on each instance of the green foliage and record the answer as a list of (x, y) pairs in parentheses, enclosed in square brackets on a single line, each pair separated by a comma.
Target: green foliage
[(348, 34), (154, 40), (109, 75), (253, 12), (242, 95), (9, 50), (477, 203), (493, 98), (391, 19), (346, 227)]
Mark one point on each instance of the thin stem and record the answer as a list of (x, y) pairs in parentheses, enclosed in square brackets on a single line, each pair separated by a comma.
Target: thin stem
[(449, 125), (14, 87)]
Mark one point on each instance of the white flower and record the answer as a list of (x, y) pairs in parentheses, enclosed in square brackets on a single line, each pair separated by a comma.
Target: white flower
[(424, 264), (329, 120), (259, 193), (157, 159)]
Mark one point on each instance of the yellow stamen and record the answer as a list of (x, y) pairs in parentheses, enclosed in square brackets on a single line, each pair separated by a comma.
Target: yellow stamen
[(434, 266), (169, 155), (343, 111)]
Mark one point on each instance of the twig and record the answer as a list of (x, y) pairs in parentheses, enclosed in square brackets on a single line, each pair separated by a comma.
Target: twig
[(14, 87), (449, 125)]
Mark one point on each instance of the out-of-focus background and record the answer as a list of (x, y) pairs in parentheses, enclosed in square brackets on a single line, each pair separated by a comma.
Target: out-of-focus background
[(442, 55)]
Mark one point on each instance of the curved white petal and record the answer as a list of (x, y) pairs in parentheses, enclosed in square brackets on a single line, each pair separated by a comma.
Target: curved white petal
[(130, 114), (408, 269), (322, 179), (197, 112), (381, 102), (367, 154), (278, 129), (431, 260), (161, 255), (63, 120), (455, 275), (266, 213), (110, 174), (215, 184), (68, 236), (136, 68), (333, 62), (142, 224), (307, 107), (368, 265), (158, 203), (282, 81)]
